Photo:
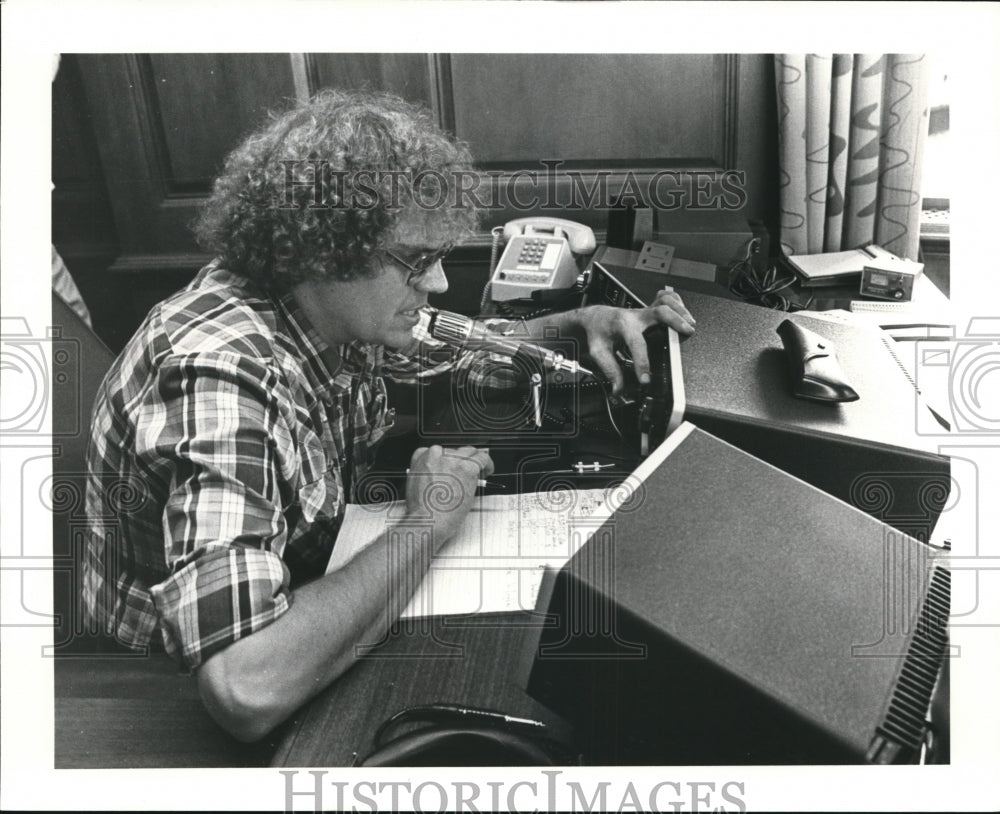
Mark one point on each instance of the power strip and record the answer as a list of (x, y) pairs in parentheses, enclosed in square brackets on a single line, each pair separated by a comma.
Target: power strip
[(865, 307)]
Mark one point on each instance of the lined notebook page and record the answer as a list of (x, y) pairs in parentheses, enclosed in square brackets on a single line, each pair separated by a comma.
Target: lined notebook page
[(496, 560)]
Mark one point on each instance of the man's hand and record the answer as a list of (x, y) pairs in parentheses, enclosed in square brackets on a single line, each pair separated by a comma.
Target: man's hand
[(258, 681), (608, 329), (442, 484)]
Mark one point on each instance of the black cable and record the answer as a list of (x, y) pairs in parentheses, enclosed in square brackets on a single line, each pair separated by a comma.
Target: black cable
[(434, 717), (759, 287), (591, 381), (607, 404)]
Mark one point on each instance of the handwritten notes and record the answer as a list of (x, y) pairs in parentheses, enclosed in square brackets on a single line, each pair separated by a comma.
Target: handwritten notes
[(496, 560)]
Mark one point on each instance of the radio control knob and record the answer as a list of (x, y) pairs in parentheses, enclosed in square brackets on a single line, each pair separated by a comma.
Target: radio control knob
[(897, 294)]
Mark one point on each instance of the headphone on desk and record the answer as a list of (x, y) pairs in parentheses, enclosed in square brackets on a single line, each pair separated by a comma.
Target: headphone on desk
[(452, 735)]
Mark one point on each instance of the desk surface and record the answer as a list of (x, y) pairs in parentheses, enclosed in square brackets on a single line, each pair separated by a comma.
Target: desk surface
[(928, 301), (126, 712), (476, 661), (482, 661)]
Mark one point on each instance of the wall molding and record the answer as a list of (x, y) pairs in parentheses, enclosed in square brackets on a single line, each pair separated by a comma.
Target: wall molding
[(305, 75), (142, 91), (442, 90), (730, 127), (147, 263)]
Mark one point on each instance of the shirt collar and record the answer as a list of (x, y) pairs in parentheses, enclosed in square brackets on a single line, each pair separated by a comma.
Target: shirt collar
[(331, 367)]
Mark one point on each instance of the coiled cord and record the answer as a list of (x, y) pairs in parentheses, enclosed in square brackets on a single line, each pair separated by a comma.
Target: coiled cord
[(759, 288), (497, 233)]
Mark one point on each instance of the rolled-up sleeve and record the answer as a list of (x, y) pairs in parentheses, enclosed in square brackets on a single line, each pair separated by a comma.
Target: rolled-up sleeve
[(217, 430), (223, 594)]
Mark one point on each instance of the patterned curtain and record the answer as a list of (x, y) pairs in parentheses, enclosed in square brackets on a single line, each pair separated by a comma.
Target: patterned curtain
[(851, 136)]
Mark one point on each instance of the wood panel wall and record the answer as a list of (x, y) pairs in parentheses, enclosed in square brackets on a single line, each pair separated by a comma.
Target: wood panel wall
[(139, 137)]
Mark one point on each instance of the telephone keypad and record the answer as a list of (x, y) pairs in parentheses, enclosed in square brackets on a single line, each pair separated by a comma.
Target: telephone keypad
[(531, 251), (538, 253)]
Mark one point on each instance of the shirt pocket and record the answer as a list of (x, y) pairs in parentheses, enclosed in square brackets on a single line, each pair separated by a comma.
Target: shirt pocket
[(319, 493), (381, 419)]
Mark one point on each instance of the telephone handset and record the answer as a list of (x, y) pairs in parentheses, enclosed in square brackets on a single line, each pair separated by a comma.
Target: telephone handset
[(539, 257)]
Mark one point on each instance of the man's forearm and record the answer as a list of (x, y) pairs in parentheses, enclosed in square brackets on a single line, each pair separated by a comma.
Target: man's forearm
[(257, 682), (563, 324)]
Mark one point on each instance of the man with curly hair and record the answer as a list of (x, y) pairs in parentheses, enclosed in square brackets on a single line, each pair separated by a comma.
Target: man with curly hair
[(248, 406)]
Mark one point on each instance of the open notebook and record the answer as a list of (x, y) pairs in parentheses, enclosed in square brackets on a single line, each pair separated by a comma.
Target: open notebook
[(496, 560)]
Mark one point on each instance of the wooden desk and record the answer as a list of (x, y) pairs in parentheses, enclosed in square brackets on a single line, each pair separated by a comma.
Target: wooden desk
[(140, 712), (475, 661)]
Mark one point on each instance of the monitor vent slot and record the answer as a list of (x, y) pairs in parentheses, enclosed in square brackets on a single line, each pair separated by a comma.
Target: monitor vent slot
[(888, 342), (902, 729)]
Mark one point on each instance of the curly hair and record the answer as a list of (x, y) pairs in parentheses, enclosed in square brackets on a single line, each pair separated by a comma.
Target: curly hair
[(313, 195)]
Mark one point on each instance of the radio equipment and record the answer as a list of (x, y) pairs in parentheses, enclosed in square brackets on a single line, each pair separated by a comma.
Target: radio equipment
[(724, 612), (891, 283), (738, 386)]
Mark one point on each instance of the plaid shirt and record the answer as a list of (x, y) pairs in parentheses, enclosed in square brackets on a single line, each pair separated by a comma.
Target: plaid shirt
[(225, 440)]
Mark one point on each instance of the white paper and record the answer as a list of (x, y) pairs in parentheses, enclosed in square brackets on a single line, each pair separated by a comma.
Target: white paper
[(496, 560)]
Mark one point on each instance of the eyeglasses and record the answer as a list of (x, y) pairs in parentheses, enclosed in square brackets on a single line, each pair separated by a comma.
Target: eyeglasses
[(424, 263)]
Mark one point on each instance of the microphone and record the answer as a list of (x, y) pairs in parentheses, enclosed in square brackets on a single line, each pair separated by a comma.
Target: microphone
[(463, 333)]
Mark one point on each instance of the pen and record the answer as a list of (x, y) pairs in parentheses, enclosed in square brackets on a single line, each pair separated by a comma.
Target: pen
[(481, 483)]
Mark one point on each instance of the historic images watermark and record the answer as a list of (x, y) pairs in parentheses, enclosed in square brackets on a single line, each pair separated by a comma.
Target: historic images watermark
[(967, 369), (39, 369), (959, 408), (545, 790), (315, 184)]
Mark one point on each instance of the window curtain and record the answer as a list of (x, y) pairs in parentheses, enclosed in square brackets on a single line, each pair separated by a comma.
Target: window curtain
[(851, 135)]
